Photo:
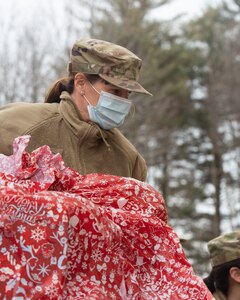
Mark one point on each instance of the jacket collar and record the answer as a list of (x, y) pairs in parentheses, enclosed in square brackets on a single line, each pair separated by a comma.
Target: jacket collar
[(70, 113)]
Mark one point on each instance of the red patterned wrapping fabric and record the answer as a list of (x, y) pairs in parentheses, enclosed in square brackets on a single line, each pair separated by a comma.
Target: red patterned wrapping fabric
[(68, 236)]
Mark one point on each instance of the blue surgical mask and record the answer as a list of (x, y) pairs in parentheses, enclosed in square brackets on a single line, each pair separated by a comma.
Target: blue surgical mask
[(110, 112)]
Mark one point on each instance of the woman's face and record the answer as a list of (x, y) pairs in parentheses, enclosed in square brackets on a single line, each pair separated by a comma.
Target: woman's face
[(93, 90), (86, 93)]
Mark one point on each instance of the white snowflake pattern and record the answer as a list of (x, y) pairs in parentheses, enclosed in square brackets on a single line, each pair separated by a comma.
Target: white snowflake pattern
[(51, 291), (174, 274), (13, 248), (43, 270), (21, 229), (38, 234), (84, 265), (113, 296), (115, 260), (104, 182), (83, 210), (96, 255)]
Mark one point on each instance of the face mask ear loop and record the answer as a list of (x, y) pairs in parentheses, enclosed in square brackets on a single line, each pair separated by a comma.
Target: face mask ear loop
[(87, 100), (94, 88)]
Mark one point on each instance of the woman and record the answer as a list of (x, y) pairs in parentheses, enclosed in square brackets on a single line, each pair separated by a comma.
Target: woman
[(224, 279), (82, 112)]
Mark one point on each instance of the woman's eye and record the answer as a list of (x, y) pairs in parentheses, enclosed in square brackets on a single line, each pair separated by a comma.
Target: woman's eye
[(120, 93), (116, 92)]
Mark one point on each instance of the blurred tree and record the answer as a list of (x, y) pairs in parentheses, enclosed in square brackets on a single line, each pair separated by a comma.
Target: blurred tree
[(26, 57), (34, 51), (216, 115)]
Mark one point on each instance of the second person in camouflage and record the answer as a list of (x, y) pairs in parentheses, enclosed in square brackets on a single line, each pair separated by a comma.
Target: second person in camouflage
[(224, 279)]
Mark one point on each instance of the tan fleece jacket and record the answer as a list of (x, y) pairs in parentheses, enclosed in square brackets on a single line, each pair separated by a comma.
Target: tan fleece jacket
[(85, 147)]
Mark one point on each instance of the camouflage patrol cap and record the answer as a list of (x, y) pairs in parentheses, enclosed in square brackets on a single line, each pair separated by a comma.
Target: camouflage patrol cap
[(224, 248), (113, 63)]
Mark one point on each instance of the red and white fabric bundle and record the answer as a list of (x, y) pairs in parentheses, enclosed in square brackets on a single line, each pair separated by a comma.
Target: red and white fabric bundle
[(68, 236)]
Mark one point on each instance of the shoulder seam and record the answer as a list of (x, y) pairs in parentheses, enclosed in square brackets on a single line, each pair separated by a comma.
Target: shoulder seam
[(38, 125)]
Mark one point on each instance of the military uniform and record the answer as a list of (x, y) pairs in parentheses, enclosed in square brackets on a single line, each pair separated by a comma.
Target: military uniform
[(224, 249), (113, 63), (84, 145)]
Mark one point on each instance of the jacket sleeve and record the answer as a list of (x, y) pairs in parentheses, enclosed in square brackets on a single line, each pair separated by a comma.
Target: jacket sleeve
[(18, 119), (140, 169), (9, 128)]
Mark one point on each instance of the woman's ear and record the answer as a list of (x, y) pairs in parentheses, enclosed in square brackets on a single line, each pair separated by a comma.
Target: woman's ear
[(234, 273), (79, 83)]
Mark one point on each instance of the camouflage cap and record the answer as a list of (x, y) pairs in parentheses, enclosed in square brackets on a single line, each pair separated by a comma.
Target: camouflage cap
[(224, 248), (113, 63)]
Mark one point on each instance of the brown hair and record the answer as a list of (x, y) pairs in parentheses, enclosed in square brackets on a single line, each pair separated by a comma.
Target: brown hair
[(65, 84), (218, 278)]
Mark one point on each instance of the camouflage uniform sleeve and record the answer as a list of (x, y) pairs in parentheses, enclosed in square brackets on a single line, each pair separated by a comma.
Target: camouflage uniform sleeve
[(140, 169)]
